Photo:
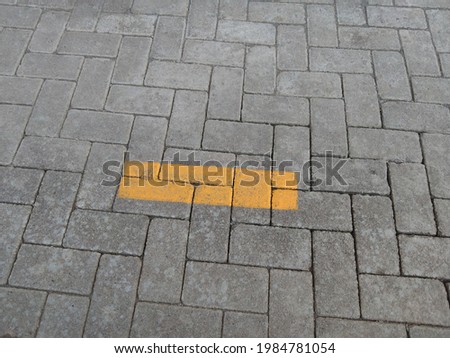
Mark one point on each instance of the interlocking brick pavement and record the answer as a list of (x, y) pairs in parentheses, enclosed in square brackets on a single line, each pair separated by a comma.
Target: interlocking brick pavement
[(83, 82)]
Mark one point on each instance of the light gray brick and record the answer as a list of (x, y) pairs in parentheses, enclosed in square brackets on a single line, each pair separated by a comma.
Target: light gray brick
[(419, 51), (404, 299), (19, 185), (310, 84), (113, 298), (52, 209), (90, 44), (50, 4), (52, 153), (202, 19), (376, 243), (21, 310), (50, 109), (50, 66), (49, 31), (117, 6), (396, 17), (153, 208), (13, 43), (127, 24), (155, 320), (260, 70), (340, 60), (440, 30), (428, 332), (93, 84), (343, 328), (165, 253), (131, 63), (412, 203), (270, 247), (247, 32), (233, 9), (25, 90), (63, 316), (140, 100), (369, 38), (202, 157), (161, 7), (244, 325), (424, 3), (432, 90), (19, 16), (238, 137), (225, 94), (13, 120), (13, 219), (85, 15), (292, 48), (322, 29), (214, 53), (391, 76), (351, 12), (147, 139), (396, 146), (282, 13), (445, 63), (435, 148), (226, 286), (168, 39), (97, 126), (442, 208), (55, 269), (291, 311)]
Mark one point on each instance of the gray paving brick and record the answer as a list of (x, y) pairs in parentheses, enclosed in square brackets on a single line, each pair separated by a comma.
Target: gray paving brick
[(420, 55), (93, 84), (370, 38), (397, 146), (52, 153), (19, 185), (432, 90), (161, 7), (214, 53), (396, 17), (445, 63), (361, 101), (55, 269), (19, 16), (52, 209), (50, 66), (412, 203), (233, 9), (292, 48), (49, 31), (85, 15), (260, 70), (376, 243), (439, 20), (155, 320), (310, 84), (153, 208), (13, 43), (13, 120), (165, 253), (147, 139), (50, 4), (201, 156), (113, 298), (244, 325), (238, 137), (404, 299), (424, 3), (127, 24), (335, 280), (117, 6), (247, 32), (321, 211), (270, 247), (25, 90), (131, 63), (21, 310), (202, 19), (63, 316), (140, 100), (351, 12), (428, 332), (13, 219), (226, 286), (90, 44), (343, 328), (282, 13), (442, 208), (50, 109), (322, 29), (169, 36), (340, 60)]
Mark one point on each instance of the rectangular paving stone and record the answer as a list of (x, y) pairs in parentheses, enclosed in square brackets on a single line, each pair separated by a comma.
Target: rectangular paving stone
[(107, 232), (112, 304), (202, 19), (246, 32), (270, 247), (147, 139), (131, 63), (442, 209), (376, 242), (420, 54), (25, 90), (161, 7), (153, 208), (19, 185), (440, 31), (292, 48), (369, 38), (50, 66), (260, 70), (118, 6), (50, 4), (89, 44), (164, 259), (168, 39), (361, 101), (424, 3), (52, 153), (435, 147), (13, 219), (432, 90), (322, 29), (214, 53), (340, 60), (351, 12), (13, 120), (281, 13), (344, 328), (225, 93), (49, 31), (127, 24), (335, 279), (391, 76), (233, 9), (13, 43), (178, 75), (140, 100), (85, 15), (291, 312), (19, 16), (52, 209), (397, 146), (55, 269), (310, 84), (50, 109), (328, 127), (445, 64), (156, 320), (428, 332), (412, 203), (396, 17), (226, 286), (238, 137), (404, 299), (244, 325), (93, 84)]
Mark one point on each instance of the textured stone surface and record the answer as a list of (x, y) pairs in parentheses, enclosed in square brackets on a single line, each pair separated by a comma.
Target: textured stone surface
[(13, 120), (342, 328), (19, 186), (244, 325)]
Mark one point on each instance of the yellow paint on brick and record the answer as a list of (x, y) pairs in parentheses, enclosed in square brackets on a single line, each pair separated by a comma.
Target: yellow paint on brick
[(285, 199), (252, 191), (213, 195)]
